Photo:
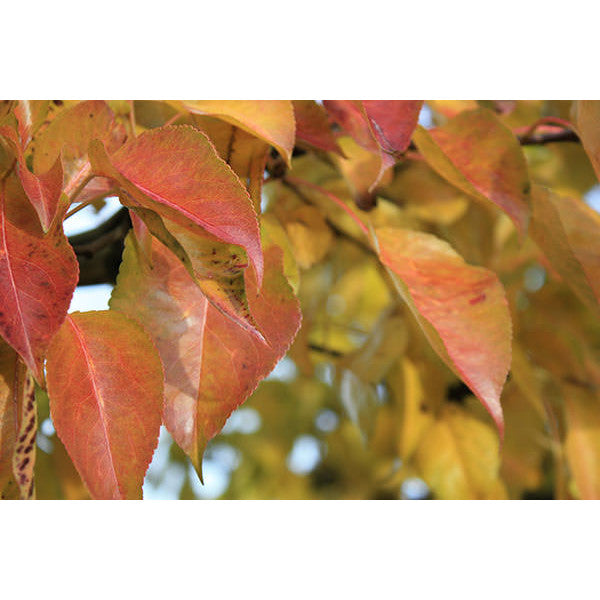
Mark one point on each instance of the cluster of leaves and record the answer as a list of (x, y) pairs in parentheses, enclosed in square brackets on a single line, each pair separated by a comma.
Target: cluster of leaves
[(403, 270)]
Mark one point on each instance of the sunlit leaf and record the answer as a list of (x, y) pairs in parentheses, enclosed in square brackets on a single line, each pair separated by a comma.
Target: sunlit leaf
[(461, 309), (458, 457), (176, 172), (107, 405), (478, 154), (270, 120), (70, 133), (38, 274), (211, 364)]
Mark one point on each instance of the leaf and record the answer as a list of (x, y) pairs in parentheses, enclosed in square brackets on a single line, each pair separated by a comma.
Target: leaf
[(211, 364), (38, 274), (43, 190), (270, 120), (9, 364), (383, 127), (23, 459), (423, 193), (243, 152), (479, 155), (176, 172), (458, 457), (582, 445), (18, 426), (462, 310), (568, 232), (312, 126), (71, 132), (586, 118), (105, 383), (406, 384), (393, 121)]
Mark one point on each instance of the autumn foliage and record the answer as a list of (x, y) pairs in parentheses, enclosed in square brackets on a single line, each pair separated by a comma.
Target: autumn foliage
[(434, 290)]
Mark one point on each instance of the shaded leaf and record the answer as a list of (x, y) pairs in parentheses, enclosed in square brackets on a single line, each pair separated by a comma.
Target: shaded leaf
[(38, 274), (9, 367), (568, 232), (106, 406), (270, 120), (211, 364), (176, 172), (586, 118), (43, 190), (313, 127), (461, 309), (478, 154), (582, 445)]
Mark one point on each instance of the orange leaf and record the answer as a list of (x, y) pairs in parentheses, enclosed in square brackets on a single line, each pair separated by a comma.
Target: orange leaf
[(38, 275), (105, 384), (270, 120), (211, 364), (479, 155), (180, 176), (462, 310)]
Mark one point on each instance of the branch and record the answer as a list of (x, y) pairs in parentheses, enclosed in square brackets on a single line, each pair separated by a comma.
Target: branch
[(99, 250)]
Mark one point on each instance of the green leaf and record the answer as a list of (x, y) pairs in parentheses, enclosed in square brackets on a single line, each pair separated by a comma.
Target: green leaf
[(105, 383)]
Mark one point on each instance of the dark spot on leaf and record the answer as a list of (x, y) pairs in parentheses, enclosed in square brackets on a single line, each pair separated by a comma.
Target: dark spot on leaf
[(477, 299)]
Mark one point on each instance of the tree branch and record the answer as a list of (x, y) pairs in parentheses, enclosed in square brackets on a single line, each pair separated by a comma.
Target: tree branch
[(99, 250)]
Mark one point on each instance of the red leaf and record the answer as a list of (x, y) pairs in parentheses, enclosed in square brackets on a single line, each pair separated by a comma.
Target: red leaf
[(312, 126), (43, 190), (479, 155), (211, 364), (105, 383), (393, 121), (383, 127), (38, 274), (461, 309), (180, 171)]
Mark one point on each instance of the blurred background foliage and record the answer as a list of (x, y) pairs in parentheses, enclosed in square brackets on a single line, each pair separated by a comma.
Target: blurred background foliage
[(362, 408)]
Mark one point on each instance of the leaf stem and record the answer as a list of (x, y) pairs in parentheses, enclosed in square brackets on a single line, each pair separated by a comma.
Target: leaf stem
[(95, 198), (132, 118)]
